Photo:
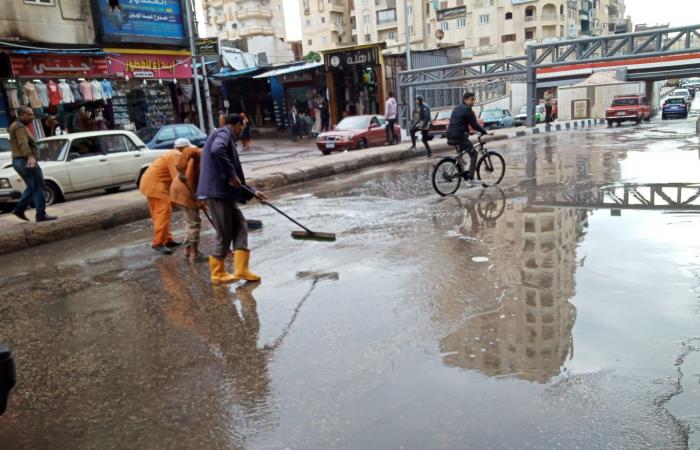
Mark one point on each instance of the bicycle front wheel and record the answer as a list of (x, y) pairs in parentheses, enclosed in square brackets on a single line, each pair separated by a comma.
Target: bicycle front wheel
[(447, 176), (491, 169)]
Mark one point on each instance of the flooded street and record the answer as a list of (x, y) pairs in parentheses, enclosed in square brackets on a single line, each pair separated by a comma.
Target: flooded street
[(558, 311)]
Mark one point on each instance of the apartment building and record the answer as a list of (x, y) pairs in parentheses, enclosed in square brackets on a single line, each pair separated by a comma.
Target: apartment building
[(325, 24), (257, 26)]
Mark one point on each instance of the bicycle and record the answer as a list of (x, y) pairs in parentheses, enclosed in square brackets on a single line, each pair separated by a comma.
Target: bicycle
[(449, 171)]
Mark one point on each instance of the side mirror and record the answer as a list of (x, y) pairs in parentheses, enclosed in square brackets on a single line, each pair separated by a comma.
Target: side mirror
[(73, 155)]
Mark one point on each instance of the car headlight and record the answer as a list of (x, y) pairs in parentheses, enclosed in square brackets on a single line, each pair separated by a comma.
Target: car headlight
[(5, 183)]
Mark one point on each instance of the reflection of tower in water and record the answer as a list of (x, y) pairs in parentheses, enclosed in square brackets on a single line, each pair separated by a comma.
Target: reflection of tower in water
[(529, 334)]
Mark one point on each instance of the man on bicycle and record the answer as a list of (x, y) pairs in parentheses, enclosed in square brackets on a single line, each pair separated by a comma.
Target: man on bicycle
[(462, 121)]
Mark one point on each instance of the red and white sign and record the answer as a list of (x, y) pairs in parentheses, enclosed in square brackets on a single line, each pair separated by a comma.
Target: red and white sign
[(150, 66), (58, 66)]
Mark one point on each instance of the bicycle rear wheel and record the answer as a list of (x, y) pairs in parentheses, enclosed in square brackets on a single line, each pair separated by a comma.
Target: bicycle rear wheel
[(447, 176), (491, 168)]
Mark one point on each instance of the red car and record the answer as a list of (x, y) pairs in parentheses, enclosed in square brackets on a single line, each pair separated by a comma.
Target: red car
[(628, 108), (354, 133), (438, 129)]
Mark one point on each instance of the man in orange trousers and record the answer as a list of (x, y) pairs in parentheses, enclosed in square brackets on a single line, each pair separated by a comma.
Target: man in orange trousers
[(155, 185)]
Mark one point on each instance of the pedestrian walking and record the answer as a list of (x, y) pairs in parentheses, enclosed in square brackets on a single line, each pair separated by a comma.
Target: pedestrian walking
[(421, 122), (155, 185), (183, 194), (325, 115), (548, 97), (390, 110), (294, 124), (220, 180), (245, 136), (25, 161)]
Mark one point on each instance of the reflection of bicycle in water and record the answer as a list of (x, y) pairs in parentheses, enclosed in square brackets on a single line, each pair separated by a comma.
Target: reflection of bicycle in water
[(449, 172), (484, 210)]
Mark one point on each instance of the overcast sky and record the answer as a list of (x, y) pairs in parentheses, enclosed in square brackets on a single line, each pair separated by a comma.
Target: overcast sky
[(651, 12)]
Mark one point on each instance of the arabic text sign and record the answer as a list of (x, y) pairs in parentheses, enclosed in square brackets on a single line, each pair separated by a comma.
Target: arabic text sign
[(58, 66), (364, 57), (158, 66), (150, 18), (451, 13), (206, 46)]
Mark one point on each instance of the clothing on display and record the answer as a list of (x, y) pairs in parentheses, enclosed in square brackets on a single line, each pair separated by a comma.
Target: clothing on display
[(12, 93), (66, 94), (75, 90), (96, 90), (86, 90), (107, 89), (30, 95), (54, 93), (43, 93)]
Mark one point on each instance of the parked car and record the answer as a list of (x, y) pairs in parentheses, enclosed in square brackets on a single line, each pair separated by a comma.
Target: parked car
[(685, 93), (5, 155), (675, 107), (82, 162), (521, 119), (355, 132), (496, 118), (164, 137), (628, 108), (438, 128)]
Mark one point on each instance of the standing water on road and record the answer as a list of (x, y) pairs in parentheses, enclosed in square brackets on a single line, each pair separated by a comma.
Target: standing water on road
[(557, 311)]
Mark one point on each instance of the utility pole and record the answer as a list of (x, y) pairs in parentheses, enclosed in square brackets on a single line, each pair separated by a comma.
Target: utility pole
[(409, 100), (195, 72), (207, 98)]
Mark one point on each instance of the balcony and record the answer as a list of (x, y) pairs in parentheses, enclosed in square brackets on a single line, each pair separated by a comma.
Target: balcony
[(484, 3), (339, 6), (387, 25), (256, 31), (253, 13), (553, 17), (530, 19)]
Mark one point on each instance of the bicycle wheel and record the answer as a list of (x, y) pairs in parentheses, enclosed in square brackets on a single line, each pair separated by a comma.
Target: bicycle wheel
[(491, 168), (447, 176)]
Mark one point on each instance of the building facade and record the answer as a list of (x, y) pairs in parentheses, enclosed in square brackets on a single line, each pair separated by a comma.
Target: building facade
[(257, 27), (326, 24)]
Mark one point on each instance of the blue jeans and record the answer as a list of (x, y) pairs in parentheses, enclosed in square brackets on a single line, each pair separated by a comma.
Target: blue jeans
[(34, 180)]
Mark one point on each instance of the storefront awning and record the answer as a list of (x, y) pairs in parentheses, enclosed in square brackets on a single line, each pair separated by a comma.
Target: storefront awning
[(228, 74), (289, 69)]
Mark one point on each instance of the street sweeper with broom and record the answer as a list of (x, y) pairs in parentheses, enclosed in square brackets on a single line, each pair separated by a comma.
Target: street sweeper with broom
[(222, 187)]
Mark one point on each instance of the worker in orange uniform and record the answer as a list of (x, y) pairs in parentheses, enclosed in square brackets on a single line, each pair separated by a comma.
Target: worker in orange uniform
[(155, 185), (182, 193)]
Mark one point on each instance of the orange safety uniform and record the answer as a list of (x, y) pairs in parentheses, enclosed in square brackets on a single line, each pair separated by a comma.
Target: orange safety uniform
[(155, 185), (184, 194)]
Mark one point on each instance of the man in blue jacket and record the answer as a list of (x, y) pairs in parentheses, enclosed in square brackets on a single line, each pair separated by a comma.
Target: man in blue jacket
[(220, 184)]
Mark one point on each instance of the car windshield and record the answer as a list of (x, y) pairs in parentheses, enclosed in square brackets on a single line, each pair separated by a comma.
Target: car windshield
[(353, 123), (147, 134), (52, 150), (491, 115), (681, 92), (625, 102), (442, 115), (523, 110), (675, 101), (4, 145)]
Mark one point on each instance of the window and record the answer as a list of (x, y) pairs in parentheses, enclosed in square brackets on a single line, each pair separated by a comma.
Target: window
[(323, 39), (166, 134), (323, 20), (508, 38), (365, 19), (339, 20), (529, 34), (411, 30), (310, 42), (40, 2), (82, 148), (444, 26), (460, 2), (392, 35), (509, 16), (409, 9), (483, 19), (113, 144), (308, 23), (561, 10), (483, 41), (444, 5), (386, 16), (368, 38), (461, 22)]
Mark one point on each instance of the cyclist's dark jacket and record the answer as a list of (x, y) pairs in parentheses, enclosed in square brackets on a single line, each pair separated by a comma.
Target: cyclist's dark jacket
[(462, 117)]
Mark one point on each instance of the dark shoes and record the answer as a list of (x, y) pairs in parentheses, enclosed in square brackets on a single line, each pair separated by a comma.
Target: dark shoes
[(163, 250), (173, 244), (46, 218), (20, 215)]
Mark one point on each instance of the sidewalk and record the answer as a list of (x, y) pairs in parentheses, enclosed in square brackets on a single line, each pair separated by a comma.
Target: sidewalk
[(271, 164)]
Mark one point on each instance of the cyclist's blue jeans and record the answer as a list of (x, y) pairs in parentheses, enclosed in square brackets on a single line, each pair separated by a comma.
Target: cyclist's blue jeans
[(34, 180), (465, 145)]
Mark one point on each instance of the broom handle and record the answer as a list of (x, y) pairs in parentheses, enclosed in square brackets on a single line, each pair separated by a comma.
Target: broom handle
[(278, 210)]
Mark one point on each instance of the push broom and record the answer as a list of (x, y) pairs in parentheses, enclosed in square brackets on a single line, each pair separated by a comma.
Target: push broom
[(306, 234)]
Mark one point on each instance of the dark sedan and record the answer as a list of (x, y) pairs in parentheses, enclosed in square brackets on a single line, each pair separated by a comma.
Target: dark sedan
[(674, 106), (164, 137)]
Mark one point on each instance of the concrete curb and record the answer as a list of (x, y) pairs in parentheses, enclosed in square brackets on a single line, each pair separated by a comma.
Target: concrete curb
[(104, 212)]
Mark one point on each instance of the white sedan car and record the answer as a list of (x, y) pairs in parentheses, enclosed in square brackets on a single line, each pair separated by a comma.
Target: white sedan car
[(5, 155), (81, 162)]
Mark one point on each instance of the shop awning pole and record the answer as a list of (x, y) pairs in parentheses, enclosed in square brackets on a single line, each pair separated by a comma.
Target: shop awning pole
[(195, 72)]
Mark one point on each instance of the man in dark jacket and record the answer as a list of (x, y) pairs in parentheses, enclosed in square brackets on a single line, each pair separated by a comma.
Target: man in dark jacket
[(220, 183), (421, 122), (462, 121)]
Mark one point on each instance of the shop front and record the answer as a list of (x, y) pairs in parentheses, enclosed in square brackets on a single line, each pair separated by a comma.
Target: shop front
[(151, 89), (355, 80), (72, 86)]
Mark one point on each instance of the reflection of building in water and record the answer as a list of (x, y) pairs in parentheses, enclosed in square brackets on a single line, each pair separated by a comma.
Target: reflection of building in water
[(529, 335)]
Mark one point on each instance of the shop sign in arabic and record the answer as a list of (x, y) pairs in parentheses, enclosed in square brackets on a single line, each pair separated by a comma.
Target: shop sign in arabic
[(352, 58), (150, 18), (159, 66), (206, 46), (50, 66), (451, 13)]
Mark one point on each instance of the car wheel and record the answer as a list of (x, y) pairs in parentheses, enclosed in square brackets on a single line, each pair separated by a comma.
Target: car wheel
[(138, 180), (362, 144), (664, 117), (638, 120), (610, 123), (326, 152), (52, 194), (113, 190)]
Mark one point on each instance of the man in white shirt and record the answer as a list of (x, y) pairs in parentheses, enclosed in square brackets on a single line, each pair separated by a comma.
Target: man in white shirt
[(390, 109)]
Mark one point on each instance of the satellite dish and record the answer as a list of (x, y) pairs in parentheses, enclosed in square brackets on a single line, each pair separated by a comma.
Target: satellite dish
[(440, 34)]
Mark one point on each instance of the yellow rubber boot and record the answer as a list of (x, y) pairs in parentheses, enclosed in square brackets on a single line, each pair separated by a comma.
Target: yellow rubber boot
[(218, 271), (240, 264)]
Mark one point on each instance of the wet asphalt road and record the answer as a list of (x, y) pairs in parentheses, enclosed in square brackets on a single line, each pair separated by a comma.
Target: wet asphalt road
[(558, 312)]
